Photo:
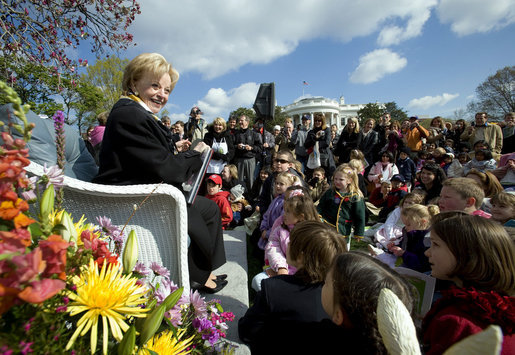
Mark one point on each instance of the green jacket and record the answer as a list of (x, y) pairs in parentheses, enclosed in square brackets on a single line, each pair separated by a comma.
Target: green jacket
[(343, 211)]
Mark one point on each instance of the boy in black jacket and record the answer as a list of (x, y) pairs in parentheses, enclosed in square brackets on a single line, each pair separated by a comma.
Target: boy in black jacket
[(407, 167)]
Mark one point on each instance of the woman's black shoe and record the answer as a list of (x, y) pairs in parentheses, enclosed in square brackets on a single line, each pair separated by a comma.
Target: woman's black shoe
[(221, 277), (220, 284)]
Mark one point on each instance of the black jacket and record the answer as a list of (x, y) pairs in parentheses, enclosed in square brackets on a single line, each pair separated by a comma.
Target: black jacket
[(250, 137), (136, 150), (211, 136)]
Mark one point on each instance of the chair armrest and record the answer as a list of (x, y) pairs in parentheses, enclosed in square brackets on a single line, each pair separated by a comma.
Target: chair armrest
[(161, 224)]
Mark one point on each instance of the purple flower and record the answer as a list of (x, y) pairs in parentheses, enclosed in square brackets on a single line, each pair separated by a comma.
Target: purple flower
[(201, 324), (141, 269), (175, 316), (159, 270), (199, 304), (54, 174), (29, 194), (107, 225)]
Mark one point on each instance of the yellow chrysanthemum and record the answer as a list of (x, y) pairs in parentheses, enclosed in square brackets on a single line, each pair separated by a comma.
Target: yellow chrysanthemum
[(165, 343), (107, 294)]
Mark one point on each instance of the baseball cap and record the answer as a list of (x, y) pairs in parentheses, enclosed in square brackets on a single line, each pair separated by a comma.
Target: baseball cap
[(277, 128), (306, 117), (415, 117), (215, 178), (398, 177)]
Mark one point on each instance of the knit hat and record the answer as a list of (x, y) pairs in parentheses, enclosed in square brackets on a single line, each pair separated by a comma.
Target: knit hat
[(215, 178), (237, 192)]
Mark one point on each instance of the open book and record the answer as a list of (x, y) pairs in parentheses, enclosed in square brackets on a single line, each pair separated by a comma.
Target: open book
[(192, 185)]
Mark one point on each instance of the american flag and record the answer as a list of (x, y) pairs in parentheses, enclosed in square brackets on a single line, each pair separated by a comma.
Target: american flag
[(305, 82)]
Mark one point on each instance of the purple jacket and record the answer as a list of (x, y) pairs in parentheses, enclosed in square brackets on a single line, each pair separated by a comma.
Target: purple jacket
[(275, 250), (274, 211)]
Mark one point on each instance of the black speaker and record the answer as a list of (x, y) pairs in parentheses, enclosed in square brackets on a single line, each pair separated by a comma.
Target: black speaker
[(265, 102)]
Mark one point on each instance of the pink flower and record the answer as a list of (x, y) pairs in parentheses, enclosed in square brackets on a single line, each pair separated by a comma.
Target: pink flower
[(159, 270)]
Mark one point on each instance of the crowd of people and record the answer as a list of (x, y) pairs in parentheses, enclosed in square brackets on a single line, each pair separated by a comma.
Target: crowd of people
[(439, 200)]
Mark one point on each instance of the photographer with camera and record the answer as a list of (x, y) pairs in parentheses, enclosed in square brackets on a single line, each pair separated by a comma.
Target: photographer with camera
[(414, 135)]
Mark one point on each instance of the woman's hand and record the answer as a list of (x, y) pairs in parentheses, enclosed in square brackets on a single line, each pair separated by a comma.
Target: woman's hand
[(183, 145), (201, 147)]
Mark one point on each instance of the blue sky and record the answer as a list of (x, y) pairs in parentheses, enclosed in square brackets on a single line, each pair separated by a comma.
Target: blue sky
[(426, 55)]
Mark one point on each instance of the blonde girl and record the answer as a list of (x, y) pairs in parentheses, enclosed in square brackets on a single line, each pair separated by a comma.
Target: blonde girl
[(358, 154), (478, 256), (281, 183), (343, 206), (391, 230), (416, 219)]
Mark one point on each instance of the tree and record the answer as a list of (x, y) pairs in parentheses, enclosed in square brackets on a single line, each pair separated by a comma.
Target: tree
[(496, 95), (396, 113), (371, 110), (85, 104), (34, 85), (41, 30), (107, 76), (243, 111)]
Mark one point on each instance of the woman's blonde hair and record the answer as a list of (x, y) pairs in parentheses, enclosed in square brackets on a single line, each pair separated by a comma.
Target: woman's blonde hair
[(349, 172), (420, 214), (221, 121), (233, 171), (356, 127), (147, 63), (484, 252)]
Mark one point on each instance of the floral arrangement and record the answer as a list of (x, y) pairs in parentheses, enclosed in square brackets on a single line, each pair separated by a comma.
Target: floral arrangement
[(66, 287)]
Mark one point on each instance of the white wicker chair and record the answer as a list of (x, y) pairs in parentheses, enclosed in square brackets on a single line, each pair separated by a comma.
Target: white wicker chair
[(161, 224)]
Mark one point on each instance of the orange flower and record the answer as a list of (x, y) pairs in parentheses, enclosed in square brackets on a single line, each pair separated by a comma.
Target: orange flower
[(39, 291), (54, 253)]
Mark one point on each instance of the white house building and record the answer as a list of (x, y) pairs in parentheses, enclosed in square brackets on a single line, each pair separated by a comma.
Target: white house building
[(335, 112)]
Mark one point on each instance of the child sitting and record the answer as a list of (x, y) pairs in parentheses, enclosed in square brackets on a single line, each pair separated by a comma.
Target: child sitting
[(503, 208), (349, 296), (215, 193), (257, 187), (455, 169), (282, 182), (378, 197), (343, 206), (421, 159), (462, 194), (478, 256), (482, 161), (357, 165), (296, 297), (392, 228), (298, 206), (416, 219), (318, 184), (396, 194), (241, 208)]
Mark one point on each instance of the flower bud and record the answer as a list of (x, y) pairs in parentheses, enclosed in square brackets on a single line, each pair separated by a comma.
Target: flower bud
[(130, 253), (46, 205), (70, 233), (152, 323), (172, 299), (128, 342)]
